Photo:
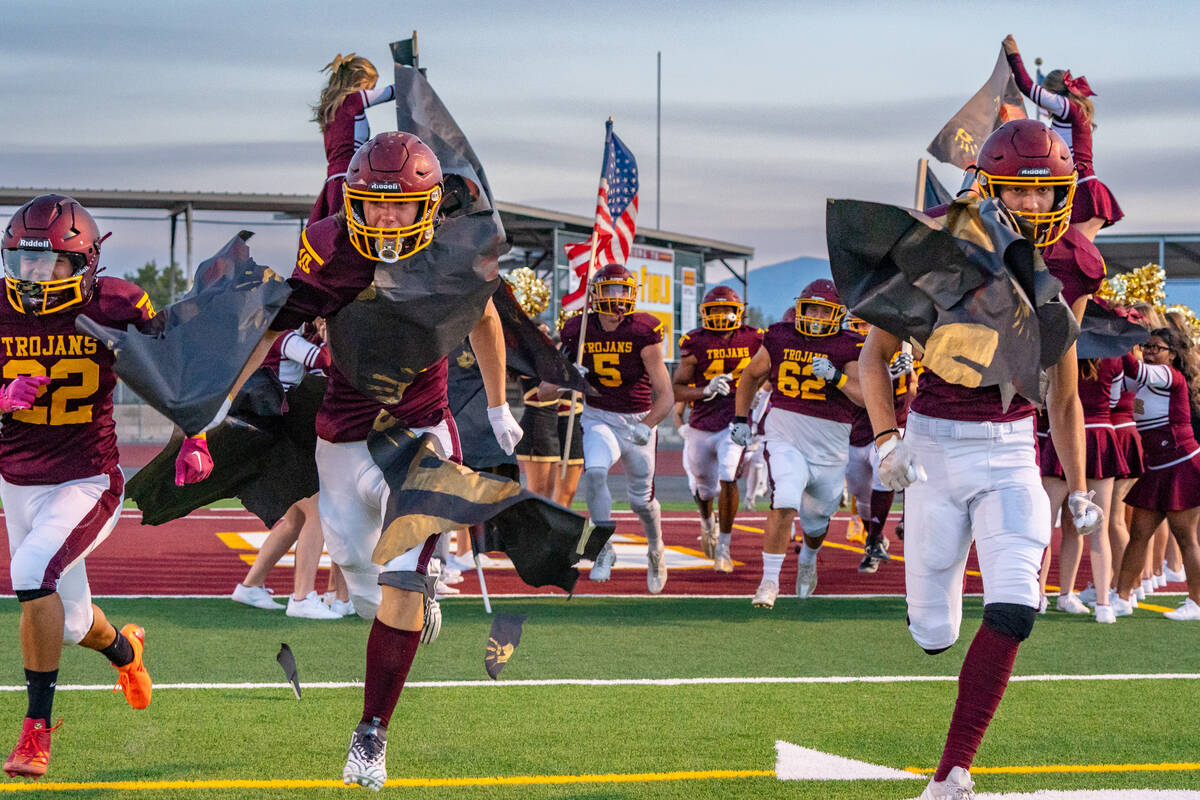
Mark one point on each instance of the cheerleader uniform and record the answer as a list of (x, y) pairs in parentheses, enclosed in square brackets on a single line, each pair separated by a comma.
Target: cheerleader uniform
[(346, 132), (1171, 481), (1104, 457), (1068, 120)]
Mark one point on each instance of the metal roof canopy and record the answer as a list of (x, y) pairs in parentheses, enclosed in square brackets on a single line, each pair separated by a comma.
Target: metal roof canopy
[(1177, 253), (529, 228)]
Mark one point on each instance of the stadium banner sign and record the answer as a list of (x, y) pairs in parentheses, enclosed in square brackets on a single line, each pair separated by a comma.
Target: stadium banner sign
[(687, 299), (654, 268)]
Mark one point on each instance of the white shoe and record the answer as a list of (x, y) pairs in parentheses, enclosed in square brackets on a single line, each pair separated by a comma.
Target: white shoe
[(656, 571), (1140, 591), (806, 580), (441, 589), (1123, 608), (1105, 614), (768, 590), (342, 608), (1088, 595), (463, 563), (257, 596), (1160, 580), (602, 566), (1043, 604), (957, 786), (366, 763), (1188, 612), (723, 562), (708, 536), (1172, 576), (1070, 604), (452, 577), (310, 607)]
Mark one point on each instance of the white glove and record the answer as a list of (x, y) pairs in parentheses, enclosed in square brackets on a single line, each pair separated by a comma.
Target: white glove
[(1087, 516), (822, 367), (898, 468), (901, 364), (639, 433), (717, 387), (505, 428), (581, 369), (741, 433)]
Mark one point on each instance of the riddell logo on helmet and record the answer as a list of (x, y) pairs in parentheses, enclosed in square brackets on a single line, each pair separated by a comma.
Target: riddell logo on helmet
[(385, 187), (1033, 171), (45, 243)]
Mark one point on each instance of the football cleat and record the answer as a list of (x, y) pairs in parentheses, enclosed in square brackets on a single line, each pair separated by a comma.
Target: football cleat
[(723, 561), (366, 762), (31, 756), (879, 550), (768, 590), (1071, 604), (957, 786), (133, 678), (256, 596), (656, 571), (856, 532), (806, 579), (868, 565), (1188, 612), (708, 536), (602, 567)]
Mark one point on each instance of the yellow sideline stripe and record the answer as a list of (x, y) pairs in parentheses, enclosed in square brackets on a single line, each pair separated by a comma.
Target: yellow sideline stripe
[(853, 549), (513, 780), (1183, 766)]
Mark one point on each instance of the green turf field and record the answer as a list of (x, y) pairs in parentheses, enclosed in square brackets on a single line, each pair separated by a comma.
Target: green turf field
[(626, 741)]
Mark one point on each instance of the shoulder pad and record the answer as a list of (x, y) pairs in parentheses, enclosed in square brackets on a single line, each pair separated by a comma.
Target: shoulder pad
[(317, 244), (120, 299)]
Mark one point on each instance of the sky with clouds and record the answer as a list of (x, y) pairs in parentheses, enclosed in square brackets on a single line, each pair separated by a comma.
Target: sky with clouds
[(768, 107)]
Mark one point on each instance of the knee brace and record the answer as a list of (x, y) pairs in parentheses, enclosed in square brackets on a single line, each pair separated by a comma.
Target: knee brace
[(25, 595), (1010, 619)]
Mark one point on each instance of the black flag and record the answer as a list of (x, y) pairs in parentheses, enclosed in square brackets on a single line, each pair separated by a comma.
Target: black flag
[(288, 662), (529, 351), (436, 296), (969, 289), (996, 103), (935, 193), (502, 642), (1107, 334), (204, 339), (430, 494)]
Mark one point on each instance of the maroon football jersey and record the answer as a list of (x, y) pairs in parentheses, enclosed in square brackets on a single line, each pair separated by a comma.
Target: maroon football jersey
[(69, 432), (718, 353), (329, 275), (861, 431), (795, 388), (1076, 262), (614, 360), (939, 398)]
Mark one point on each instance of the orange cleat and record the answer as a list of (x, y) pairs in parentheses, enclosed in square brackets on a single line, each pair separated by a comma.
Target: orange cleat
[(856, 532), (31, 756), (133, 678)]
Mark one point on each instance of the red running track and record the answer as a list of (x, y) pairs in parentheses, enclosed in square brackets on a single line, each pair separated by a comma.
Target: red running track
[(189, 557)]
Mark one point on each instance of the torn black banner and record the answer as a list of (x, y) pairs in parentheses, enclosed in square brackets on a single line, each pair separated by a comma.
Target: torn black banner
[(502, 642)]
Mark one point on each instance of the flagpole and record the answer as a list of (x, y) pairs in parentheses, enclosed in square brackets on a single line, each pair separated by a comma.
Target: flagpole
[(566, 453), (922, 176)]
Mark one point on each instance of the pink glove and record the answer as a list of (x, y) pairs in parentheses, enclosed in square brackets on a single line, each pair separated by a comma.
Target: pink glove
[(20, 392), (193, 464)]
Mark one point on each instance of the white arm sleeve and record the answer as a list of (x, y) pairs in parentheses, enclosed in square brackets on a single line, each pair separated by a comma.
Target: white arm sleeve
[(373, 97), (296, 348), (1056, 104), (1156, 376)]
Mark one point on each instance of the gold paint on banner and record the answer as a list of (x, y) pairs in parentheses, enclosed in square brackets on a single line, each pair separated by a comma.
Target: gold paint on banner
[(959, 352), (499, 653), (466, 359)]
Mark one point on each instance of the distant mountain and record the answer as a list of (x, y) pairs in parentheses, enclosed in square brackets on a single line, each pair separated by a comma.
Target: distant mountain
[(773, 288)]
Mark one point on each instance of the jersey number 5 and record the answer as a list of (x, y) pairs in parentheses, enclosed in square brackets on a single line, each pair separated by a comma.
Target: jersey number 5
[(790, 383), (605, 365), (57, 413)]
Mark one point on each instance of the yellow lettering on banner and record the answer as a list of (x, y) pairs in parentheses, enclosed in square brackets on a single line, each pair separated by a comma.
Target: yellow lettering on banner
[(960, 351)]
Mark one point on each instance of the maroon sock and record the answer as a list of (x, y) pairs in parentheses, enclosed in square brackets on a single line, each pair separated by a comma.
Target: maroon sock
[(390, 653), (881, 506), (981, 683)]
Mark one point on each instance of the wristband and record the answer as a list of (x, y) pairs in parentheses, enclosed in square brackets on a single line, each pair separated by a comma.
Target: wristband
[(885, 433), (743, 420), (839, 380)]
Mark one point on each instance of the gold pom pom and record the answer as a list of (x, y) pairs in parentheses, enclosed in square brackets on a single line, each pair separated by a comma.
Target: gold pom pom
[(1146, 284), (1191, 323), (531, 292), (564, 315)]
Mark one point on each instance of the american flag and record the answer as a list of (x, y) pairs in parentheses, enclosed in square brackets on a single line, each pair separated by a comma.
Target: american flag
[(579, 255), (616, 201)]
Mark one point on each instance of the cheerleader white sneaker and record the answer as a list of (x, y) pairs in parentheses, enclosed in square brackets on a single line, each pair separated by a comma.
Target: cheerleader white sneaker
[(1188, 612)]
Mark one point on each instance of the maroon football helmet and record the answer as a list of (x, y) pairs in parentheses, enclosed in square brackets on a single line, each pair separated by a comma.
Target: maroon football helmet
[(819, 309), (51, 253), (721, 309), (1025, 153), (392, 168), (614, 290)]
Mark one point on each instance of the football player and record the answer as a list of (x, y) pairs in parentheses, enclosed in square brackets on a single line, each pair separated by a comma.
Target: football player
[(983, 480), (623, 362), (872, 498), (712, 358), (392, 197), (812, 364), (59, 480)]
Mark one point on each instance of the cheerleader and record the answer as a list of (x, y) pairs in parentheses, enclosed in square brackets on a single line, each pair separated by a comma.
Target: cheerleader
[(1071, 115), (342, 115), (1168, 391)]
